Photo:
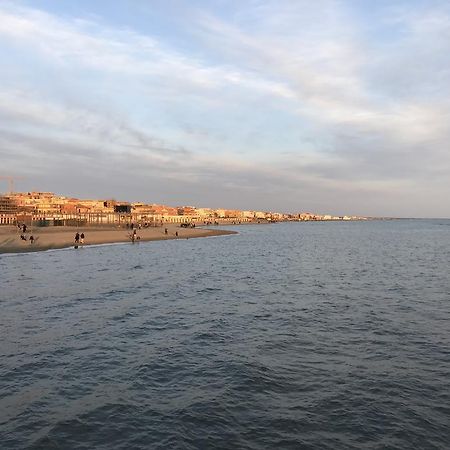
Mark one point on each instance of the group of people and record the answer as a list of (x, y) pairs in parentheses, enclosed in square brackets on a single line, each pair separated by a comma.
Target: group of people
[(166, 232), (79, 239), (23, 235), (139, 225), (134, 236), (188, 225)]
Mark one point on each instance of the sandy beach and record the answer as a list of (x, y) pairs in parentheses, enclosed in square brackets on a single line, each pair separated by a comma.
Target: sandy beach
[(62, 237)]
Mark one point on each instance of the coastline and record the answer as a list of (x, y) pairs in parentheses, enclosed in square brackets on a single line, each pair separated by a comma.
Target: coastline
[(63, 237)]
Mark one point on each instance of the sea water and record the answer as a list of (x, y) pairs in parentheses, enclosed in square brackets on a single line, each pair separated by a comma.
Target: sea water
[(331, 335)]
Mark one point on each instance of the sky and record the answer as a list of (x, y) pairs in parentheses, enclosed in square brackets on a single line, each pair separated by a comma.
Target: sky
[(331, 106)]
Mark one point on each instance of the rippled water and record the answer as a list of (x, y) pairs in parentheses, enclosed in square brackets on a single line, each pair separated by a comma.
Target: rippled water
[(301, 335)]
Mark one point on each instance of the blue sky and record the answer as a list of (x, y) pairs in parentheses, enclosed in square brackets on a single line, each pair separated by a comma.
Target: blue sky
[(331, 106)]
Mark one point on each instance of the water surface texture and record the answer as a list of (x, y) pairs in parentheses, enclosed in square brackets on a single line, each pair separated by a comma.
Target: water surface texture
[(296, 335)]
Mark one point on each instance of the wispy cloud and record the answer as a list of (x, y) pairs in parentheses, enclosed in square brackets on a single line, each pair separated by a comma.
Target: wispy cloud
[(83, 43)]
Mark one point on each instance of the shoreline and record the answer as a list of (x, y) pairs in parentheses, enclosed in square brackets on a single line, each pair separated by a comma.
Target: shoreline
[(64, 237)]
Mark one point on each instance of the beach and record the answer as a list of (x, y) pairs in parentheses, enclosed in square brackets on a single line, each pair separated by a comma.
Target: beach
[(46, 238)]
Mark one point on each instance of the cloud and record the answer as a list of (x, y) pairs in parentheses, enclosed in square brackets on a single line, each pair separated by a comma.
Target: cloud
[(273, 101), (330, 70), (122, 51), (21, 110)]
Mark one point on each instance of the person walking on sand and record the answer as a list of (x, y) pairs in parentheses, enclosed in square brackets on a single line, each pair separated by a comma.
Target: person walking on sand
[(77, 238), (82, 238), (31, 239), (165, 231)]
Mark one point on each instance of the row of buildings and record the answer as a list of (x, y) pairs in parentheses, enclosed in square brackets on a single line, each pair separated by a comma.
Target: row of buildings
[(47, 208)]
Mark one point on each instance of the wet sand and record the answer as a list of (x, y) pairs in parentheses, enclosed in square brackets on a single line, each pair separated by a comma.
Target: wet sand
[(62, 237)]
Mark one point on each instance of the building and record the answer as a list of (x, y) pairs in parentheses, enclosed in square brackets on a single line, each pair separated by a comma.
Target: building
[(8, 210)]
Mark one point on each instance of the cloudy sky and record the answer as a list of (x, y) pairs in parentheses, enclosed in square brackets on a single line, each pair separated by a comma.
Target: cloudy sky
[(332, 106)]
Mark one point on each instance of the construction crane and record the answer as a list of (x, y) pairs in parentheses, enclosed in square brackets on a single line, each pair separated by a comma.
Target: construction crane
[(10, 180)]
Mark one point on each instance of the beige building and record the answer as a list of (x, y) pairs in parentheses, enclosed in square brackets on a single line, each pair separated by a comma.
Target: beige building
[(8, 210)]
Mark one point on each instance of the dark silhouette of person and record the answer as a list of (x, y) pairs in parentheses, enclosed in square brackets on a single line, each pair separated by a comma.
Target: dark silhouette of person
[(77, 238)]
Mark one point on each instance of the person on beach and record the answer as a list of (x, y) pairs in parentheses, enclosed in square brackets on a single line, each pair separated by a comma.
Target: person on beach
[(24, 228), (82, 238), (23, 237), (31, 239), (176, 233), (165, 231), (77, 238)]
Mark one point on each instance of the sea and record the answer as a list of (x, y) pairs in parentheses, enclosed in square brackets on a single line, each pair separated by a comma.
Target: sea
[(311, 335)]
